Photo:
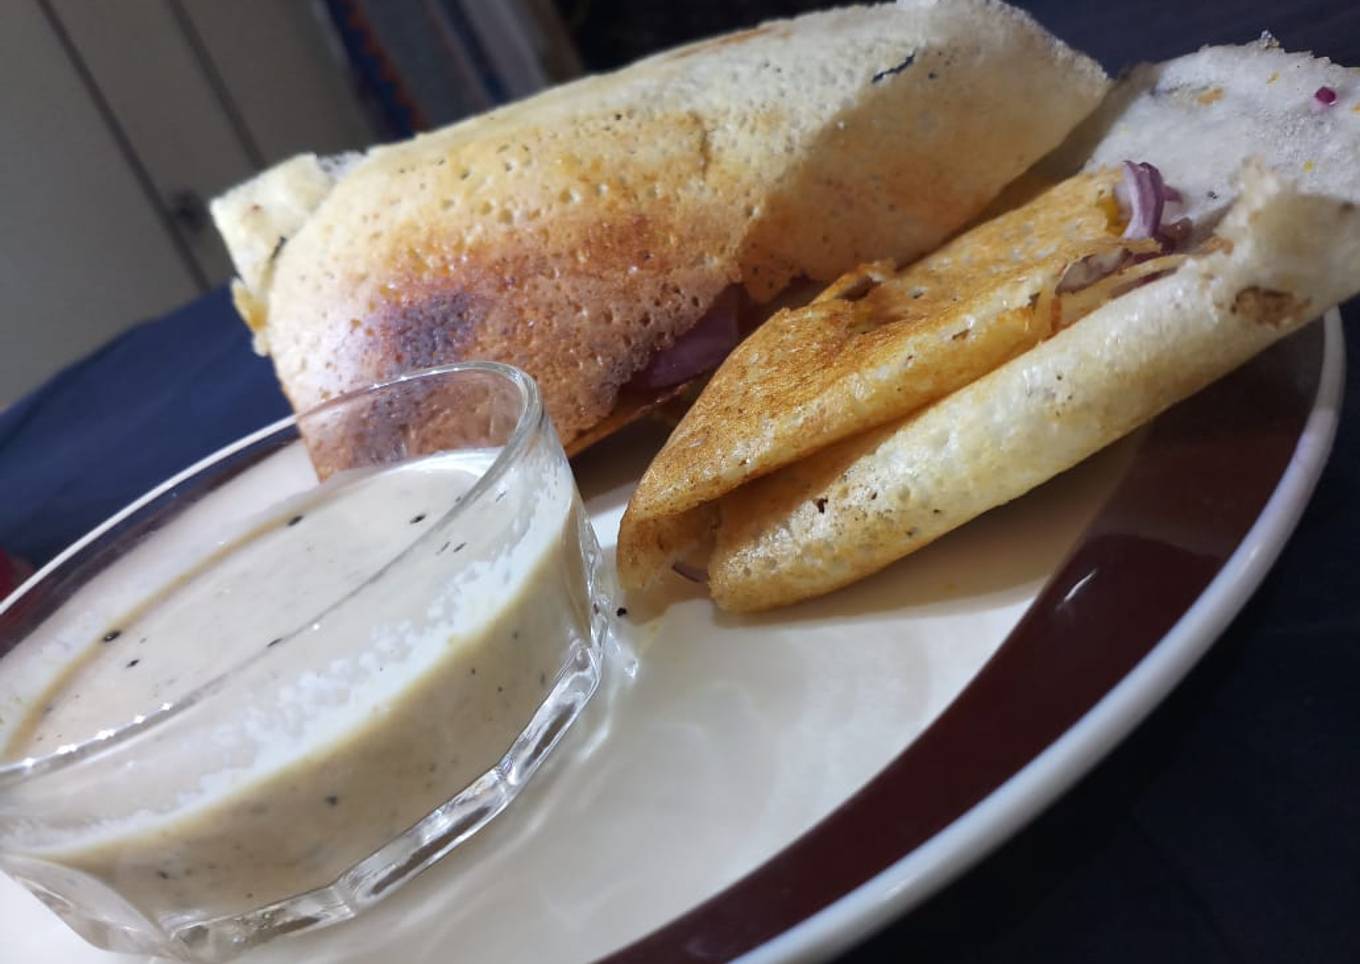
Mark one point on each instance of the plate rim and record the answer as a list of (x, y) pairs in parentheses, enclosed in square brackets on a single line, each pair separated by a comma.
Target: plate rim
[(1025, 795), (1216, 566)]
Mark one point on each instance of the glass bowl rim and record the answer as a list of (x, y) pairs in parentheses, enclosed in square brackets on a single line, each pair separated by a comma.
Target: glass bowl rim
[(526, 425)]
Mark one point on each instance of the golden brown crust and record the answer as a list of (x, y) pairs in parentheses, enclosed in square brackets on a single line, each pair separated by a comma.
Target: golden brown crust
[(875, 346), (579, 232), (855, 507)]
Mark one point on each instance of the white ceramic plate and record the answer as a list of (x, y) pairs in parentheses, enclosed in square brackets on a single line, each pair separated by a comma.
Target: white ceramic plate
[(731, 799)]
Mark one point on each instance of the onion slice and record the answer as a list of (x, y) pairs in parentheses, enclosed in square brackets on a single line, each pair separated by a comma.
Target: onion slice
[(1174, 234), (692, 573), (1150, 200), (1147, 198), (1090, 269), (698, 350)]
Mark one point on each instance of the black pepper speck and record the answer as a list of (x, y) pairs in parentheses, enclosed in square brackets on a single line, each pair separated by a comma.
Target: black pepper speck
[(821, 506), (621, 611), (112, 634), (332, 800), (883, 75), (418, 518), (295, 520), (132, 663)]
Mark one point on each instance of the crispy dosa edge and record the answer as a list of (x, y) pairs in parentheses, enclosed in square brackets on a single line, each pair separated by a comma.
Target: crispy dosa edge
[(873, 347), (858, 506)]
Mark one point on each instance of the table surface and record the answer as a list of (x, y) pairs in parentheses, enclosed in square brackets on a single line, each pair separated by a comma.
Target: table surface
[(1227, 828)]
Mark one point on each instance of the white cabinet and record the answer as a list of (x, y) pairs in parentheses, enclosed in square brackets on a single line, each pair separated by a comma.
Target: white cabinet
[(120, 120)]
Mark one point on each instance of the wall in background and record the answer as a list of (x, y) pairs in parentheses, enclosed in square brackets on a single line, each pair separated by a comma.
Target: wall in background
[(121, 120)]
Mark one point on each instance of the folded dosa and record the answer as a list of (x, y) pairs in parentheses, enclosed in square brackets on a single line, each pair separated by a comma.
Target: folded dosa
[(853, 506), (877, 344), (582, 231)]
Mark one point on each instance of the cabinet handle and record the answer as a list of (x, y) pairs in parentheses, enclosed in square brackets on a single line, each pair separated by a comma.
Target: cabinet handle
[(188, 211)]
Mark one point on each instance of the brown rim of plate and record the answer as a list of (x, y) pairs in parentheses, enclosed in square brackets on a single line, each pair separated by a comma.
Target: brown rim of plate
[(1201, 477)]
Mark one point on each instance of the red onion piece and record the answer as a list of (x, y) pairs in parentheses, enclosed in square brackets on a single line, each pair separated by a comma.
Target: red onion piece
[(1149, 200), (698, 350), (1326, 96), (1090, 269), (1175, 233), (1146, 199), (692, 573)]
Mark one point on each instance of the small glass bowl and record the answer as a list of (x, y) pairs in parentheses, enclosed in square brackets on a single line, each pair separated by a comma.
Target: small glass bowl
[(300, 778)]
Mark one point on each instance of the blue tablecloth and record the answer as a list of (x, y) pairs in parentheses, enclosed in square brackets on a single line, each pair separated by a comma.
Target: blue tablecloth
[(147, 404)]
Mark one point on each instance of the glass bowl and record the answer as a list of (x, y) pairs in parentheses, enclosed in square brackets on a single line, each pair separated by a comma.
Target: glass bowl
[(278, 686)]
